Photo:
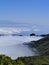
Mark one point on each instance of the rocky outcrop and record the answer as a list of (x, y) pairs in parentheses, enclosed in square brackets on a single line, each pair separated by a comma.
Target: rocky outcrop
[(32, 34)]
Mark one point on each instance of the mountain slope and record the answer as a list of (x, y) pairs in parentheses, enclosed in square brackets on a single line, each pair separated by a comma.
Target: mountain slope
[(41, 45), (33, 60)]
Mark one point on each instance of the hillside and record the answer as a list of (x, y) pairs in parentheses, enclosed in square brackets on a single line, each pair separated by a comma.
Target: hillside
[(33, 60), (41, 45)]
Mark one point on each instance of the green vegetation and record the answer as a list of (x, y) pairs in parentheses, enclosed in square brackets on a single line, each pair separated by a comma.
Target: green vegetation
[(5, 60), (41, 45), (33, 60)]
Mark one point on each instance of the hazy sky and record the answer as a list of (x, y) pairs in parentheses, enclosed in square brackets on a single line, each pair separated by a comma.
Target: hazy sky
[(25, 11)]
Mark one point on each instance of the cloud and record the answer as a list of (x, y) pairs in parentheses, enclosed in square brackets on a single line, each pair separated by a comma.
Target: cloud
[(36, 29), (13, 30), (34, 26)]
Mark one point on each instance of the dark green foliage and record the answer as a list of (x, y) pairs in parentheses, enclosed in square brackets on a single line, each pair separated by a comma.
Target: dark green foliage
[(42, 45), (33, 60)]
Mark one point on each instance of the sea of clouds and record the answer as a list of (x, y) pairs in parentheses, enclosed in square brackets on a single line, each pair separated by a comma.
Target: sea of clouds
[(11, 30), (16, 30)]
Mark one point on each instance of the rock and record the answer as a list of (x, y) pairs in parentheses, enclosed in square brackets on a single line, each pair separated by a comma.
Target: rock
[(32, 34)]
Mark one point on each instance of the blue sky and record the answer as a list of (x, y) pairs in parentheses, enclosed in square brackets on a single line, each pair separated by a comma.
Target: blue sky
[(25, 11)]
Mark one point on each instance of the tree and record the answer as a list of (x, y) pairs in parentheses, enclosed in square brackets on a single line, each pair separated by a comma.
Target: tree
[(19, 62)]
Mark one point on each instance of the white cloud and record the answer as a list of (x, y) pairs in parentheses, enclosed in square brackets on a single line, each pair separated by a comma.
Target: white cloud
[(34, 26), (36, 29), (13, 30)]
